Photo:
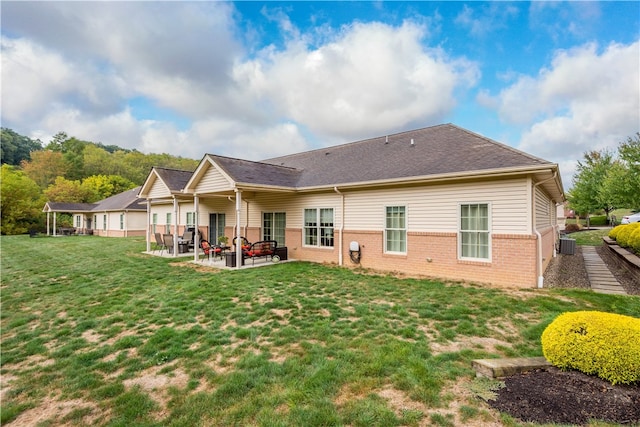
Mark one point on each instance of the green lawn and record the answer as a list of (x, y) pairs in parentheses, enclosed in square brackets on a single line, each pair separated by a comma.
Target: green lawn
[(589, 237), (96, 333)]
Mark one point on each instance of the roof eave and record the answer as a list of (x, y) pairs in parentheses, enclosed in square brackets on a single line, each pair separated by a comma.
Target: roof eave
[(452, 176)]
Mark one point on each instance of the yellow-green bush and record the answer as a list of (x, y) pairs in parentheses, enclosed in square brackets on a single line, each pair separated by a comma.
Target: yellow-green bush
[(635, 240), (624, 236), (604, 344), (615, 230)]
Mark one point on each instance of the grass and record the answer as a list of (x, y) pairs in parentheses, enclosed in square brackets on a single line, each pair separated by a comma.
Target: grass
[(96, 333), (589, 237)]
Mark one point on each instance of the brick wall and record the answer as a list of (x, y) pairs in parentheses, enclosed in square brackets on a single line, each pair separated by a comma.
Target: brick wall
[(513, 260)]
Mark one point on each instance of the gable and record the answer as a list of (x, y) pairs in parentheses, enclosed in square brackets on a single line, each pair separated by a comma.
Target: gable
[(213, 181), (158, 190)]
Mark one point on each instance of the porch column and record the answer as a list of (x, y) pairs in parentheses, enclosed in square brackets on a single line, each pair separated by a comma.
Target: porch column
[(54, 223), (175, 226), (148, 225), (48, 222), (196, 236), (238, 229)]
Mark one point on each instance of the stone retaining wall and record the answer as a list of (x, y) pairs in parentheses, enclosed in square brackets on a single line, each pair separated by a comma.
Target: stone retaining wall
[(625, 259)]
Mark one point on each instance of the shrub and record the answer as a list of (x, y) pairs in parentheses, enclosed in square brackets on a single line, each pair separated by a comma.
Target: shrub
[(593, 342), (570, 228), (614, 231), (635, 240), (624, 236)]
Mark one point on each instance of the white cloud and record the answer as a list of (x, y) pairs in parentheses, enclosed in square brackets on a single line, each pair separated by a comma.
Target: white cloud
[(481, 21), (586, 100), (36, 79), (370, 78)]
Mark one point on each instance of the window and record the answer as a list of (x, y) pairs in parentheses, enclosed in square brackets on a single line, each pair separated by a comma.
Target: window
[(104, 222), (121, 221), (396, 229), (474, 231), (191, 219), (273, 226), (77, 221), (168, 220), (154, 222), (95, 221), (318, 227)]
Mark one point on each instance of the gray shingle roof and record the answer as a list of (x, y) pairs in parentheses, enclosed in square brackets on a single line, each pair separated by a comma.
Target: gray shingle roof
[(436, 150), (127, 200), (175, 179), (258, 173), (70, 207)]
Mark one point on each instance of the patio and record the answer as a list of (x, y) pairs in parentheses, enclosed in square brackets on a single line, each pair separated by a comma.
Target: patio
[(215, 262)]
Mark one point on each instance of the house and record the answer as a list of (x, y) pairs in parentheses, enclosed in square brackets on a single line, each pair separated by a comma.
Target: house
[(120, 215), (440, 201)]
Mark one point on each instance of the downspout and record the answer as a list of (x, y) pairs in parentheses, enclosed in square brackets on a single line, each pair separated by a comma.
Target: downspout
[(175, 226), (535, 230), (148, 225), (196, 232), (246, 224), (341, 229), (238, 230)]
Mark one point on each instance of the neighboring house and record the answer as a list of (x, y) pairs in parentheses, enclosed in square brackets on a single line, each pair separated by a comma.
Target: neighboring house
[(120, 215), (440, 201)]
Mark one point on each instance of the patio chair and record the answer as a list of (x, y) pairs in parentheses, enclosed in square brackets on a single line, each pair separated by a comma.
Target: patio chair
[(159, 242), (209, 250), (245, 243), (168, 242)]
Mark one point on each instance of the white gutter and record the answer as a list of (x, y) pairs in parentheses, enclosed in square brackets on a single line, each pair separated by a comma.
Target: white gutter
[(340, 261), (535, 230)]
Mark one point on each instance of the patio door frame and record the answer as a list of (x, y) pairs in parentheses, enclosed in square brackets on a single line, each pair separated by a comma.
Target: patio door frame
[(216, 221)]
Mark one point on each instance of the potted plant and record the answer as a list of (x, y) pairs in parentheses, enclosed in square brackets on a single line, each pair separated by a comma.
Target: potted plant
[(223, 240)]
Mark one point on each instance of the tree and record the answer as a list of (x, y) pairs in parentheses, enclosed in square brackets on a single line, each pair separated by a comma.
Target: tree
[(102, 186), (21, 202), (44, 167), (587, 195), (64, 190), (16, 147), (56, 142), (629, 153)]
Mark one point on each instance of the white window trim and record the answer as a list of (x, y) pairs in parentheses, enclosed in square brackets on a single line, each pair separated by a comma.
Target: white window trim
[(489, 231), (319, 246), (406, 229)]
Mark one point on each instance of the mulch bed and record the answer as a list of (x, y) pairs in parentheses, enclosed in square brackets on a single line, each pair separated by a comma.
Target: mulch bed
[(552, 396)]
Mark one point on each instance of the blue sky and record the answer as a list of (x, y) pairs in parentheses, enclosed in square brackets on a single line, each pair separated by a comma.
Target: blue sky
[(261, 79)]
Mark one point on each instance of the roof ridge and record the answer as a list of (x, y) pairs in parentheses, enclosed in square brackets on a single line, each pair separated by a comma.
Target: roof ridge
[(172, 169), (262, 162), (361, 141)]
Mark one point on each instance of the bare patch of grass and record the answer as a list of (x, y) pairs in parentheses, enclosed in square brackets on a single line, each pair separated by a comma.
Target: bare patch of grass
[(155, 342)]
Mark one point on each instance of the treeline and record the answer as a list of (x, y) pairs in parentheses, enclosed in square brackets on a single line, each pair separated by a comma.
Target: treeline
[(605, 181), (67, 169)]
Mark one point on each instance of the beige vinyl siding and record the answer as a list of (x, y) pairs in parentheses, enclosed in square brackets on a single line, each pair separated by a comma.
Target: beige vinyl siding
[(159, 190), (436, 208), (294, 207), (544, 209), (213, 181), (136, 220)]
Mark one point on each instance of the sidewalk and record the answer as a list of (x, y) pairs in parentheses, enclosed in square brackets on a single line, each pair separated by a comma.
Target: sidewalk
[(600, 277)]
